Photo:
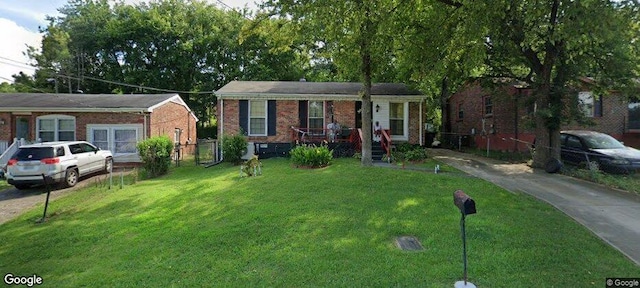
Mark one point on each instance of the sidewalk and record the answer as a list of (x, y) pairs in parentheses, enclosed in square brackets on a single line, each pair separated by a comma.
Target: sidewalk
[(611, 214)]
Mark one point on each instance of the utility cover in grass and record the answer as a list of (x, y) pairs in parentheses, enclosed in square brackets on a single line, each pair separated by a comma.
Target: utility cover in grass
[(409, 243)]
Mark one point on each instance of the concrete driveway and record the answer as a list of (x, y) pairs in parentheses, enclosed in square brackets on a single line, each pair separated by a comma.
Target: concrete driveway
[(611, 214)]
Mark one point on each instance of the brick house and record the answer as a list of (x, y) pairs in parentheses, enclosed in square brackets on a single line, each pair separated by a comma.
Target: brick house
[(272, 113), (501, 118), (112, 122)]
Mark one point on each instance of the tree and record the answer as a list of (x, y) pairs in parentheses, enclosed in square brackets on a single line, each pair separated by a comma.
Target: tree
[(173, 45), (549, 44), (355, 31)]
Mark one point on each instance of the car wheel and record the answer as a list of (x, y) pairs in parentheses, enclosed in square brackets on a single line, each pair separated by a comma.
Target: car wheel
[(108, 165), (553, 165), (71, 177), (21, 186)]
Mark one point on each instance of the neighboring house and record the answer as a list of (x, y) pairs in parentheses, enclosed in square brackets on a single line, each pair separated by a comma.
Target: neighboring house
[(501, 118), (110, 121), (273, 114)]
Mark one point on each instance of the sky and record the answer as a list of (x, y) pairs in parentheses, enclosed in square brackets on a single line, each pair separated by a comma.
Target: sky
[(20, 21)]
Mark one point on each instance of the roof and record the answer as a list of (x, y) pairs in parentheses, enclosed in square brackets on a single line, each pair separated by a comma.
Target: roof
[(301, 90), (49, 102)]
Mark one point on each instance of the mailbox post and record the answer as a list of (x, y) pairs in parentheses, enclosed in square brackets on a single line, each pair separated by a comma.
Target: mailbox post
[(467, 206)]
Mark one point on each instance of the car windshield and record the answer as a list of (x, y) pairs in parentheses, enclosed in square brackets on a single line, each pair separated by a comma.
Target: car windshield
[(602, 141), (28, 154)]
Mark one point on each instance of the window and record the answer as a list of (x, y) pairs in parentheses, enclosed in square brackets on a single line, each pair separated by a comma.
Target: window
[(460, 112), (101, 138), (119, 139), (56, 128), (316, 117), (124, 140), (488, 106), (258, 118), (589, 105), (573, 142), (396, 118)]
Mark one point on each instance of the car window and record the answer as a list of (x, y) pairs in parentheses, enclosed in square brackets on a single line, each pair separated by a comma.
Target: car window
[(573, 142), (563, 138), (75, 149), (88, 148), (34, 153), (602, 141), (60, 151)]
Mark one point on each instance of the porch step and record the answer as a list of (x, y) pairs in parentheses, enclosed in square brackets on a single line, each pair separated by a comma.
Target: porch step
[(376, 151)]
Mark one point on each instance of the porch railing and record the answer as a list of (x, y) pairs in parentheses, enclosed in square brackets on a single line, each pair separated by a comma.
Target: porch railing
[(8, 152), (312, 135), (386, 142)]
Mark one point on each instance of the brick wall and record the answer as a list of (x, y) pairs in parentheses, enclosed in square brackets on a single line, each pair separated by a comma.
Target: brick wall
[(287, 116), (343, 113), (414, 123), (82, 119), (166, 118), (614, 114), (5, 129), (504, 117)]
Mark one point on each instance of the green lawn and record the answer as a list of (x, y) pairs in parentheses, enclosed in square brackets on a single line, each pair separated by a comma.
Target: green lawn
[(4, 185), (302, 227)]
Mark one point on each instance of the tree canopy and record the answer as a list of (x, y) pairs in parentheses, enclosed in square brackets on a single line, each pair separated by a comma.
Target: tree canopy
[(188, 46), (434, 45)]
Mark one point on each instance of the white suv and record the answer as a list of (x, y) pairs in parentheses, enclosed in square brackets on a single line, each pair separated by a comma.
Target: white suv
[(62, 162)]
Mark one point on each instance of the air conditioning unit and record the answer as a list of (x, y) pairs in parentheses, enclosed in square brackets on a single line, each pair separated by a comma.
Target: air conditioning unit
[(251, 150)]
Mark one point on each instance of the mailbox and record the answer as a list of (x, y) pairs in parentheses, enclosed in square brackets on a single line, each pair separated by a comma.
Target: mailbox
[(464, 202)]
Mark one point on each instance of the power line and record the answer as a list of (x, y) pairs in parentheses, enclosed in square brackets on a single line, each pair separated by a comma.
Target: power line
[(19, 62), (131, 85), (22, 66), (102, 80)]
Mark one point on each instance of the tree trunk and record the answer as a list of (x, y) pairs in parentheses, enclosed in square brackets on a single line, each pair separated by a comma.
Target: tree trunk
[(365, 53), (444, 96)]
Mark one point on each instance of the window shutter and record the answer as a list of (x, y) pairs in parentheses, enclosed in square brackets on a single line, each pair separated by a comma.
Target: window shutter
[(597, 110), (302, 113), (244, 116), (271, 117)]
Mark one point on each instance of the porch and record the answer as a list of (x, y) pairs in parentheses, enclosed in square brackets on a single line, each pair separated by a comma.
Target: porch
[(347, 138)]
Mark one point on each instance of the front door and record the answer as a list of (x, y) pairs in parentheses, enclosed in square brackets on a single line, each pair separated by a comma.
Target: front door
[(358, 113), (22, 128)]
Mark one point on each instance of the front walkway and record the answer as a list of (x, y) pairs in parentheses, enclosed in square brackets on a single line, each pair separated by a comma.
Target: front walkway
[(611, 214)]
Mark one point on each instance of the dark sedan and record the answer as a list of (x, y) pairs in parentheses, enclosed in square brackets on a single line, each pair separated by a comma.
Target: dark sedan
[(593, 148)]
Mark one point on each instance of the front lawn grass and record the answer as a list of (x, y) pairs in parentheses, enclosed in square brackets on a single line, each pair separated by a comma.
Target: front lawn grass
[(291, 227), (4, 185)]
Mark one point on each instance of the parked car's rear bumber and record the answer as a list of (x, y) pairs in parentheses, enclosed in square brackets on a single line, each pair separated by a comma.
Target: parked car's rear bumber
[(58, 162)]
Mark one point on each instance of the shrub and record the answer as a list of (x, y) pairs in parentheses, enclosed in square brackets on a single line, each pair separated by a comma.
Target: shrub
[(416, 154), (233, 147), (155, 153), (311, 156)]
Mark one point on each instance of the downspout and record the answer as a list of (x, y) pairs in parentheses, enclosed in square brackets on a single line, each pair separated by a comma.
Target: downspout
[(144, 128), (221, 122), (515, 143), (421, 125)]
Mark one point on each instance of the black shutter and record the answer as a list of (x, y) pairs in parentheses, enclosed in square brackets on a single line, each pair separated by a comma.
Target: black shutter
[(302, 113), (244, 116), (597, 102), (271, 117)]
